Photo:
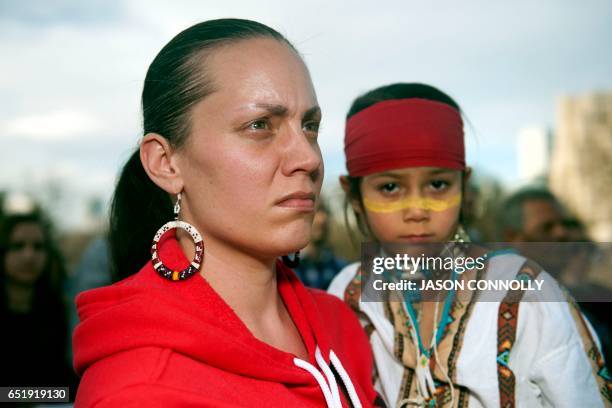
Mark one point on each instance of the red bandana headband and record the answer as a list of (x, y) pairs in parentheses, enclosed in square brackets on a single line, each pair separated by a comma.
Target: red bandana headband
[(402, 133)]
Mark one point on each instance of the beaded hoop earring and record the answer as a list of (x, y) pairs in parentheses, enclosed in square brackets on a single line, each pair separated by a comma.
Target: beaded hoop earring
[(292, 263), (159, 266)]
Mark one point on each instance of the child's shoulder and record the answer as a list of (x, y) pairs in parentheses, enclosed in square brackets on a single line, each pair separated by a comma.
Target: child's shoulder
[(343, 279)]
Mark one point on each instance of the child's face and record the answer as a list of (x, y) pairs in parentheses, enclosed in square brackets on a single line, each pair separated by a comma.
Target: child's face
[(412, 205)]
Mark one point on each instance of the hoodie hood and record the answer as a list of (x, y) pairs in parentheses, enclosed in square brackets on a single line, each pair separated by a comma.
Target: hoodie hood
[(189, 319)]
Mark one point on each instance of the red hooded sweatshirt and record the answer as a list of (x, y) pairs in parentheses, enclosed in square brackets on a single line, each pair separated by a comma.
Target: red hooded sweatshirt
[(150, 342)]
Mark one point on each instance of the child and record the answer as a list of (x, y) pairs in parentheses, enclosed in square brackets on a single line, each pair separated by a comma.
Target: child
[(405, 156)]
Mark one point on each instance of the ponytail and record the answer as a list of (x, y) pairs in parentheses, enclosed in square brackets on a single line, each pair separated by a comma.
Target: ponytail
[(138, 209)]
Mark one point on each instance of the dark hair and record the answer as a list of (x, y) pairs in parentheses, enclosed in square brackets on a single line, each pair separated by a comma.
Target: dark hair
[(385, 93), (512, 215), (175, 82), (400, 91), (48, 287)]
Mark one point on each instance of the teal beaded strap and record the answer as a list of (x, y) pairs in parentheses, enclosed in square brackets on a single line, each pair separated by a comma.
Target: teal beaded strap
[(444, 321)]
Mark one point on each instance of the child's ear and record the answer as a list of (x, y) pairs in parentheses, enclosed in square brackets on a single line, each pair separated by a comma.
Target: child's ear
[(346, 186)]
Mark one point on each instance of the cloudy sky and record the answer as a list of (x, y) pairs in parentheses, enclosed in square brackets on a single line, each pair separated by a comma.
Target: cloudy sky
[(72, 72)]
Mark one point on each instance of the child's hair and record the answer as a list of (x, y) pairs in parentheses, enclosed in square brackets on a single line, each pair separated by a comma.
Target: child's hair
[(385, 93)]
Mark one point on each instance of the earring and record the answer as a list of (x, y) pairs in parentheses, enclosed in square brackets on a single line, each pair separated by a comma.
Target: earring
[(159, 266), (292, 263)]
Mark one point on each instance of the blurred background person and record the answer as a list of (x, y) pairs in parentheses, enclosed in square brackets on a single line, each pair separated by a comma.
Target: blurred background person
[(540, 228), (530, 218), (318, 262), (584, 254), (583, 251), (32, 308), (533, 215)]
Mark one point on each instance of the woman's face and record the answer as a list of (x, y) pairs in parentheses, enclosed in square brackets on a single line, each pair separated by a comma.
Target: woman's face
[(26, 255), (251, 167), (412, 205)]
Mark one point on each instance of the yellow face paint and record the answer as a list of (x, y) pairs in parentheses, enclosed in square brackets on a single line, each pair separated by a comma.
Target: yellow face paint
[(432, 204)]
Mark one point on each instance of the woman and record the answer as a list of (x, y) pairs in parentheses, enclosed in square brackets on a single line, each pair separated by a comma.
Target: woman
[(230, 141), (405, 156), (32, 306)]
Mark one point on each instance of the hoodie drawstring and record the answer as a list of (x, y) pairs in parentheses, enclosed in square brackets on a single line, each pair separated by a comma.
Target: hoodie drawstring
[(330, 377), (320, 380), (330, 388), (348, 384)]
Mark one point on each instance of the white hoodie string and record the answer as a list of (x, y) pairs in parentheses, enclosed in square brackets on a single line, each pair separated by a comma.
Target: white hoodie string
[(320, 380), (330, 391), (348, 384), (330, 377)]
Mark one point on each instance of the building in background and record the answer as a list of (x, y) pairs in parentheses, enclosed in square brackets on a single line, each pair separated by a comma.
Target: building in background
[(581, 162), (534, 145)]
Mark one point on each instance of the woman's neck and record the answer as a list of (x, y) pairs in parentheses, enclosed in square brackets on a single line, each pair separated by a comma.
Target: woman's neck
[(19, 297), (249, 286)]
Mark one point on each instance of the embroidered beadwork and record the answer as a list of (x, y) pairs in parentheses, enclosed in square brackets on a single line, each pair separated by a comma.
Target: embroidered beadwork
[(507, 322)]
